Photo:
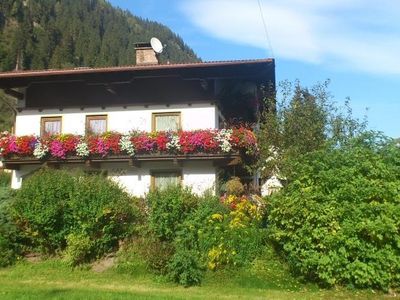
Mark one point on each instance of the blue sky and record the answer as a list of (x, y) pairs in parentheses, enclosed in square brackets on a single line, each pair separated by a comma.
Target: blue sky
[(354, 43)]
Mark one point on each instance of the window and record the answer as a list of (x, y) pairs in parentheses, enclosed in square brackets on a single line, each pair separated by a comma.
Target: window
[(50, 126), (166, 121), (162, 179), (96, 124)]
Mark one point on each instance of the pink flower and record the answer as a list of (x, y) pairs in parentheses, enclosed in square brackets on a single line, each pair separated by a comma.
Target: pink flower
[(57, 149)]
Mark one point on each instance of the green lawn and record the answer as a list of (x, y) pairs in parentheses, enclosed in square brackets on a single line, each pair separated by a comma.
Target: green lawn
[(54, 280)]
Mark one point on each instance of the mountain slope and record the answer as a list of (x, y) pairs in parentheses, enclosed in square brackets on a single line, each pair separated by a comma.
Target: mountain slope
[(41, 34)]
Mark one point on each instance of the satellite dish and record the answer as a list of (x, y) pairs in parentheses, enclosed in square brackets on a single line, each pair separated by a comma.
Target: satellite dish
[(156, 45)]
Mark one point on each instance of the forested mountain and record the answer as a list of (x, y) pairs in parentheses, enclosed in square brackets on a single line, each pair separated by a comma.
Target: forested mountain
[(42, 34), (52, 34)]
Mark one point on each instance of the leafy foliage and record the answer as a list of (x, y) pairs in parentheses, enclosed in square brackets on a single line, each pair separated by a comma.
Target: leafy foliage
[(9, 235), (78, 249), (53, 204), (155, 252), (101, 211), (302, 120), (188, 234), (338, 220), (7, 112), (185, 268), (217, 236), (168, 208), (41, 209)]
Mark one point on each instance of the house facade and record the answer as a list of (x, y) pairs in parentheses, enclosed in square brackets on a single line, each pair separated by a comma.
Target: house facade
[(148, 106)]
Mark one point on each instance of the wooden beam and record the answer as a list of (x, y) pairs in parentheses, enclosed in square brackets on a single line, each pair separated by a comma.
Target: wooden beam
[(11, 166), (232, 161), (92, 165), (176, 162), (14, 93), (235, 161), (133, 163), (51, 164)]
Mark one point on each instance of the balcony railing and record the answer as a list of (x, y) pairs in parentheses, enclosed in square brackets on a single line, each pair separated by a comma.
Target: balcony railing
[(134, 147)]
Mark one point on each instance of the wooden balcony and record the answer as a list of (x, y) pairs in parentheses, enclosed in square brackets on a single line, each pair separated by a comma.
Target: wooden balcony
[(218, 159)]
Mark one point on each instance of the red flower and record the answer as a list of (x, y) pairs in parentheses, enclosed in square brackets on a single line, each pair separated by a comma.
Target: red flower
[(243, 138), (25, 145), (186, 142), (143, 143), (7, 144), (161, 141), (111, 141), (69, 143), (209, 142)]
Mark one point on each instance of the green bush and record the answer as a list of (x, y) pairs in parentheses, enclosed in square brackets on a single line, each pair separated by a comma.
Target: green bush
[(41, 209), (78, 249), (234, 187), (5, 179), (9, 235), (338, 220), (155, 252), (101, 211), (185, 268), (54, 203), (214, 234), (168, 208), (129, 259)]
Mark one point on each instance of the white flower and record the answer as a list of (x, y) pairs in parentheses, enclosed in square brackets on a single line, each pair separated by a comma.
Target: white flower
[(224, 137), (82, 149), (174, 144), (40, 150), (126, 145)]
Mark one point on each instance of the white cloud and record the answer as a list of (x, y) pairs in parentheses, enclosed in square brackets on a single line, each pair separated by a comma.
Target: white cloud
[(350, 34)]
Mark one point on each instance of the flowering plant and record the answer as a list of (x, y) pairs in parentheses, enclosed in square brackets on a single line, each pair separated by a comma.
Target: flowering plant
[(136, 142), (243, 211)]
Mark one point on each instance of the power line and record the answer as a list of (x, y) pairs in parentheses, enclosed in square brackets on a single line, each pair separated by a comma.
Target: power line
[(265, 29)]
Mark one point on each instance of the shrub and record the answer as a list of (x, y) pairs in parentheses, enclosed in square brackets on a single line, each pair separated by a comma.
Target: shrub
[(129, 260), (102, 211), (5, 178), (185, 268), (53, 204), (41, 209), (9, 235), (219, 236), (155, 252), (78, 249), (168, 208), (338, 220), (234, 186)]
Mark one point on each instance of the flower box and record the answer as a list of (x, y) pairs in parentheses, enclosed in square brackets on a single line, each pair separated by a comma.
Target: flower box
[(140, 146)]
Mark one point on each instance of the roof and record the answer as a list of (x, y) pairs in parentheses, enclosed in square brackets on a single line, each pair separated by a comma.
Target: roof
[(210, 69)]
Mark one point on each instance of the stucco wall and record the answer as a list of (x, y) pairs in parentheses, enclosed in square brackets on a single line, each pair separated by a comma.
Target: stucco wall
[(199, 175), (195, 116)]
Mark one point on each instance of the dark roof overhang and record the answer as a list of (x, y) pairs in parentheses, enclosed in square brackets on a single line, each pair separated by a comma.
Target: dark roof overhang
[(260, 70)]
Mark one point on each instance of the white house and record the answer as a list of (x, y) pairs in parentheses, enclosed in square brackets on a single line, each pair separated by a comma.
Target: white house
[(142, 98)]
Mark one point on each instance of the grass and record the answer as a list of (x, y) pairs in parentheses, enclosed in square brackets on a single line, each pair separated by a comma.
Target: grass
[(266, 278)]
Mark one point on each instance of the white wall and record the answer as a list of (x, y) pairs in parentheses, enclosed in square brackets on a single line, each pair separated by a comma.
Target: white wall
[(196, 116), (198, 175)]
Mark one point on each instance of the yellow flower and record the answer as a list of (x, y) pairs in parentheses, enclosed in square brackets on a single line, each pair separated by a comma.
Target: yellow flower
[(217, 217)]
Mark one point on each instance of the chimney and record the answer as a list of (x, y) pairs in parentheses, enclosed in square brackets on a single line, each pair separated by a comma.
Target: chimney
[(145, 54)]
